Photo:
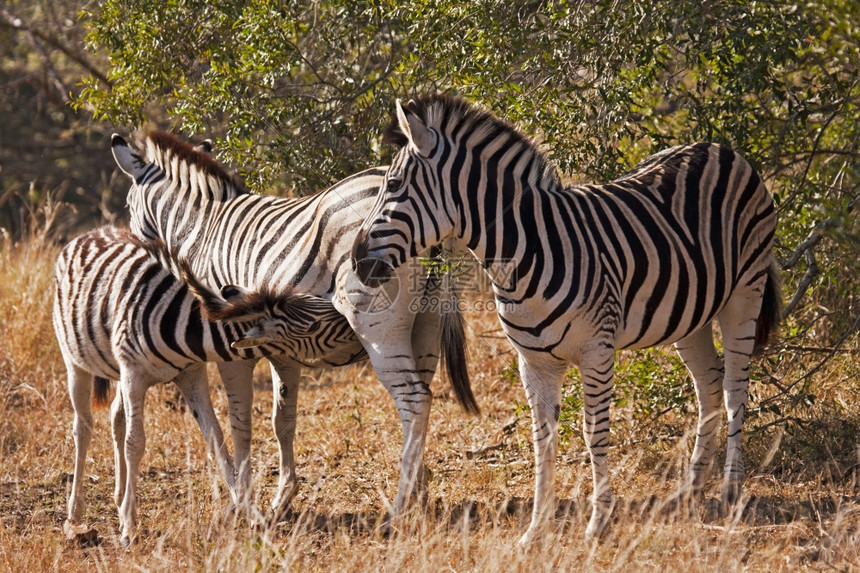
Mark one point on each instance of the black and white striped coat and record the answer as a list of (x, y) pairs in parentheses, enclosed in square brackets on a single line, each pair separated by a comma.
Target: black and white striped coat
[(232, 237), (127, 310), (654, 257)]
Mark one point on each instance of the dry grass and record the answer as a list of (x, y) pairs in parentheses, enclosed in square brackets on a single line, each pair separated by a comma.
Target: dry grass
[(802, 511)]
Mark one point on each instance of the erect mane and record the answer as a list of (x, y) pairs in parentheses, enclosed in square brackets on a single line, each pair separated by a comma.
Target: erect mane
[(450, 115), (163, 146), (215, 308), (161, 252)]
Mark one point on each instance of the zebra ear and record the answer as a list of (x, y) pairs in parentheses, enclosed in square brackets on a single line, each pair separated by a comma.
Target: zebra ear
[(206, 146), (420, 136), (129, 162)]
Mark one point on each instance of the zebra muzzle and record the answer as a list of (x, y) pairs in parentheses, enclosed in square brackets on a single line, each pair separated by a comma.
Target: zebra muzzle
[(371, 271)]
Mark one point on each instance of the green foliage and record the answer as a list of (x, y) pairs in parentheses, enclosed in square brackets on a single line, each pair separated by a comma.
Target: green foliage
[(648, 384), (299, 92)]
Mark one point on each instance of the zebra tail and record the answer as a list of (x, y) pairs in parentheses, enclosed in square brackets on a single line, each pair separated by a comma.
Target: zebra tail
[(771, 309), (100, 392), (454, 357)]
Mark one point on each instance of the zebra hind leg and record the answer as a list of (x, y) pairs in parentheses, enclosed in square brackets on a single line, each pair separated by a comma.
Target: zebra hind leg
[(80, 384), (133, 393), (193, 384), (699, 355), (237, 378), (738, 325), (117, 424)]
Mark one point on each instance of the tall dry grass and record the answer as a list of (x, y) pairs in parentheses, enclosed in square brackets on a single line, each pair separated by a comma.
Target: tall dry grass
[(802, 510)]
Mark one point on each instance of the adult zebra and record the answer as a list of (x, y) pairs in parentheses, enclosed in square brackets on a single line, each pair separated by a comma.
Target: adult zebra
[(182, 196), (128, 310), (650, 258)]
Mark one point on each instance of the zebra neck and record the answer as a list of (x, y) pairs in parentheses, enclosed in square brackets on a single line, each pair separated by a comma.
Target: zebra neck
[(504, 224), (183, 219)]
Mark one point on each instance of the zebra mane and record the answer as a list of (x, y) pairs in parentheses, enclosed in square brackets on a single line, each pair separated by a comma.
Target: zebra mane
[(449, 114), (215, 308), (163, 148)]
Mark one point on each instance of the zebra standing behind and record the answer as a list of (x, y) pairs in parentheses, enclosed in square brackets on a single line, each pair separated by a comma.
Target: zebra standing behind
[(125, 310), (651, 258)]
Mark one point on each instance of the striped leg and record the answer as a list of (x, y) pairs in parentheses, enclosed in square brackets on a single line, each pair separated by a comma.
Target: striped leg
[(133, 396), (425, 349), (598, 369), (81, 391), (194, 386), (738, 324), (285, 387), (412, 397), (238, 382), (699, 355), (383, 321), (117, 425), (542, 382)]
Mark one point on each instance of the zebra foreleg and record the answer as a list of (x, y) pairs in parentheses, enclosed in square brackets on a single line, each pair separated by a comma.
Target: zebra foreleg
[(542, 382), (597, 369), (396, 369), (426, 344), (383, 318), (238, 382), (194, 387), (699, 355), (285, 389), (738, 325)]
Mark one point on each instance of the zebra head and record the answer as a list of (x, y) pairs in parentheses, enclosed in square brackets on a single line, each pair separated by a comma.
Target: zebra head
[(170, 178), (288, 318), (140, 172), (413, 210)]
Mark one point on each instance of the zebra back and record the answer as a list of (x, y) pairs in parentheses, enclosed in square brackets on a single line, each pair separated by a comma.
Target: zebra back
[(121, 302), (645, 259)]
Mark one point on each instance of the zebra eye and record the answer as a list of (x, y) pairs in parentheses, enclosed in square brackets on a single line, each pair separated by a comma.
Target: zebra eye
[(393, 184)]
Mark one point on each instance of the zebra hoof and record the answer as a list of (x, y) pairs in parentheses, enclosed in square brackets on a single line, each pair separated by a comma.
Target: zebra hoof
[(528, 539), (731, 495), (81, 534), (126, 542), (598, 525)]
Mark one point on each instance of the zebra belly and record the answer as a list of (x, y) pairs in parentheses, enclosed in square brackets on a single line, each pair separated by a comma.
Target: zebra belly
[(573, 331)]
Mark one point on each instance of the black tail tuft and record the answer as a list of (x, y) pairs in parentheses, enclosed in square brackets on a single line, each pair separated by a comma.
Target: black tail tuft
[(454, 357), (101, 389), (771, 309)]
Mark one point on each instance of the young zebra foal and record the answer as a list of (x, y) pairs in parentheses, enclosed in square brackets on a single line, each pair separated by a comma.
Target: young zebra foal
[(125, 310)]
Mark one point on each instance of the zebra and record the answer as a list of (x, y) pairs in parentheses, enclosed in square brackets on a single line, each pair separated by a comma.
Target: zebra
[(654, 257), (230, 236), (128, 310)]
